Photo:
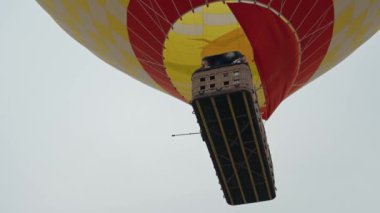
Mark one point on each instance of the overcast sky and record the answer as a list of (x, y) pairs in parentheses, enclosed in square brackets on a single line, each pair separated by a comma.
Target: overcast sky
[(76, 135)]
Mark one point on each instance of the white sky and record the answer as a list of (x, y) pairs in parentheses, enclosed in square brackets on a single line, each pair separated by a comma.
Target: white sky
[(76, 135)]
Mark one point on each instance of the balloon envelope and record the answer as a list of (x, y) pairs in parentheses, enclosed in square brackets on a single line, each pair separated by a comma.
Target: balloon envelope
[(288, 43)]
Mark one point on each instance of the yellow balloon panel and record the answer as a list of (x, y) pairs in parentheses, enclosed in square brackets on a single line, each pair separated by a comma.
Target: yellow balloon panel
[(206, 31)]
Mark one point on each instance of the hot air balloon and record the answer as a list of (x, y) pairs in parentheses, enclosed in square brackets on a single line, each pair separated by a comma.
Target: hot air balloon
[(286, 43)]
